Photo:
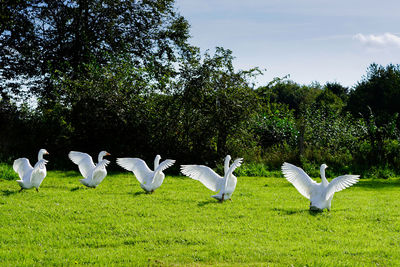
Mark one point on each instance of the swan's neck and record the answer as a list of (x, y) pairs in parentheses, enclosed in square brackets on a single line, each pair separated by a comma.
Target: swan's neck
[(156, 162), (323, 178), (100, 158), (226, 165), (40, 156)]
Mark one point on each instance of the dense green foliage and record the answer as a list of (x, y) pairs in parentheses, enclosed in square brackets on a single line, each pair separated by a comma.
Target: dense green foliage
[(266, 223), (82, 75)]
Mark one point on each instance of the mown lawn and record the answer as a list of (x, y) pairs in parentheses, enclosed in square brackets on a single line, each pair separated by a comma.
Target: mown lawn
[(267, 223)]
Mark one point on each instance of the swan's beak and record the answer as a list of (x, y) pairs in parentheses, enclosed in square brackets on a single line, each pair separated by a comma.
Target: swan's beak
[(108, 154), (46, 153)]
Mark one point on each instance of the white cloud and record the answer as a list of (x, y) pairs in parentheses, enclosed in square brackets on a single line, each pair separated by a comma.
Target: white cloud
[(378, 41)]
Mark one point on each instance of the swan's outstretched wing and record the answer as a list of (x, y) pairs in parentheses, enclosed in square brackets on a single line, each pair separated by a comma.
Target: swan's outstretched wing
[(37, 173), (232, 168), (22, 166), (303, 183), (84, 162), (340, 183), (164, 165), (205, 175), (137, 166)]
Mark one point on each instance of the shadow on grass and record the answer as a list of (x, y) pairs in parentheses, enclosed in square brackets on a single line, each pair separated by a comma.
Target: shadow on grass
[(138, 193), (207, 202), (8, 192), (379, 184), (288, 211), (179, 177), (309, 211), (315, 212), (76, 188), (65, 174)]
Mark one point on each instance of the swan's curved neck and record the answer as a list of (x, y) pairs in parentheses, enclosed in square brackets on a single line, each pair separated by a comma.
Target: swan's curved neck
[(226, 165), (323, 178), (156, 162), (100, 158), (40, 156)]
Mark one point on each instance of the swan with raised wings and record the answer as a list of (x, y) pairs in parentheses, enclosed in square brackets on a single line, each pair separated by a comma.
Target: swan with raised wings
[(31, 176), (149, 180), (93, 174), (319, 194), (225, 185)]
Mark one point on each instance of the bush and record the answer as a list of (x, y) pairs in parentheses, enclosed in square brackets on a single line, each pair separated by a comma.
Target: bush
[(7, 172), (379, 172), (275, 125)]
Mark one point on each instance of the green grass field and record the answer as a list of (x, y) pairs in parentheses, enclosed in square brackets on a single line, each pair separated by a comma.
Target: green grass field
[(267, 223)]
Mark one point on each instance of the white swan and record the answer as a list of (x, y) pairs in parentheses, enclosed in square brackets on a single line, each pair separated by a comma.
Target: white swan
[(225, 185), (319, 194), (31, 176), (149, 180), (93, 174)]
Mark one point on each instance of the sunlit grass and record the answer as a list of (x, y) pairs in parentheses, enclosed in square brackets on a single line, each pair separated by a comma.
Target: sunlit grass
[(267, 223)]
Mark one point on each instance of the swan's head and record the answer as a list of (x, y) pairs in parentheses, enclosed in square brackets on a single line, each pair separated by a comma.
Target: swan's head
[(323, 167), (104, 153), (226, 163), (157, 161), (43, 152)]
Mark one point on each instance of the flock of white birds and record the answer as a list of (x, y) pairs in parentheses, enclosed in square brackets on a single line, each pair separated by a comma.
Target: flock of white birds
[(319, 194)]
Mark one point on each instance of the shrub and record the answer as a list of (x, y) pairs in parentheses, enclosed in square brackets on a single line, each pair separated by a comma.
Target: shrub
[(7, 172)]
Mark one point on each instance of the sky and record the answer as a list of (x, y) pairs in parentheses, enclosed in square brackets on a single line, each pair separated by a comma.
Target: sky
[(311, 40)]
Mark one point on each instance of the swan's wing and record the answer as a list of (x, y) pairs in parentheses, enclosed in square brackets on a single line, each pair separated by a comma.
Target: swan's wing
[(84, 162), (99, 171), (203, 174), (303, 183), (22, 166), (340, 183), (37, 173), (137, 166), (164, 165), (231, 169)]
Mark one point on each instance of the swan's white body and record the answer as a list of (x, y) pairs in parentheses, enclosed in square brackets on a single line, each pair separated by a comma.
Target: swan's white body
[(225, 185), (149, 180), (319, 194), (31, 176), (93, 174)]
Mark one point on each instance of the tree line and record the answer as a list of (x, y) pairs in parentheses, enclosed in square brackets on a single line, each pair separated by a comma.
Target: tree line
[(122, 76)]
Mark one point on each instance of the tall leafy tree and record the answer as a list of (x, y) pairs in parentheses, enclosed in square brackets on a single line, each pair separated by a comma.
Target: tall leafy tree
[(379, 91), (40, 39), (286, 91), (216, 101)]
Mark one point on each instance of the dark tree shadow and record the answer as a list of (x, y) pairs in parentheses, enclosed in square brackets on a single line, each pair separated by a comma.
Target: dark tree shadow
[(72, 174), (378, 184), (8, 192)]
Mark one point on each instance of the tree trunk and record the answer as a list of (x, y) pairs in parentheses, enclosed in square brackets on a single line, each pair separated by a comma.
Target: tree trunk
[(221, 143)]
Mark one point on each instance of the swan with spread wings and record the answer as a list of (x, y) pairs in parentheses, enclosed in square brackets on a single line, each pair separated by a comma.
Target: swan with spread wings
[(223, 185), (31, 176), (93, 174), (319, 194), (149, 180)]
